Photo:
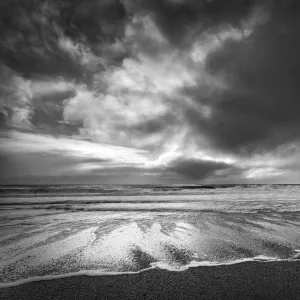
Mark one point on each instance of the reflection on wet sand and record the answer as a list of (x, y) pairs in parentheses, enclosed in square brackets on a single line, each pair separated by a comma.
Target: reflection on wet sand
[(124, 242)]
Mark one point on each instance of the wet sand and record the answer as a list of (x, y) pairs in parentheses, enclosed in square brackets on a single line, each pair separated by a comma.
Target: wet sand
[(248, 280)]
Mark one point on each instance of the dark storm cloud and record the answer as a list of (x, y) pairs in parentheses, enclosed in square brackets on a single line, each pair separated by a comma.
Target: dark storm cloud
[(182, 20), (51, 42), (259, 108), (197, 168), (36, 35), (75, 40), (98, 20)]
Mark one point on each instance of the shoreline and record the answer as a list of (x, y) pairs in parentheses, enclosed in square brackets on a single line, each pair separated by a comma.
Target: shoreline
[(247, 280), (156, 265)]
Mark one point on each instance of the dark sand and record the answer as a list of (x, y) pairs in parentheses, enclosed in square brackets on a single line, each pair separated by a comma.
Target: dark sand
[(249, 280)]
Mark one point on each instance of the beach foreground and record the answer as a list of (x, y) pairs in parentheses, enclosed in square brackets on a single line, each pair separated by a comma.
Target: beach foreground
[(248, 280)]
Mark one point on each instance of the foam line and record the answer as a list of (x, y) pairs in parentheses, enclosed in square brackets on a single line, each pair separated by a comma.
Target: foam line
[(72, 274), (157, 265)]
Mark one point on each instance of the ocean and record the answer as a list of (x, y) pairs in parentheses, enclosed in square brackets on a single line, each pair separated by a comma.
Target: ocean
[(63, 230)]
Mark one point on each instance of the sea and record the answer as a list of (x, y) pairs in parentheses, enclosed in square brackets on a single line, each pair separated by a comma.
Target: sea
[(51, 231)]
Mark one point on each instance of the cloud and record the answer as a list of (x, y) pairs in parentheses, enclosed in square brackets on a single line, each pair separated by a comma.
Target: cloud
[(131, 103), (43, 87), (180, 22), (259, 173), (58, 38), (48, 99), (27, 154), (257, 109), (190, 90), (15, 99), (31, 104), (16, 142), (80, 53), (197, 169)]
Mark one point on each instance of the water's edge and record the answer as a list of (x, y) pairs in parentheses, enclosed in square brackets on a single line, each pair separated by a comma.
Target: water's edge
[(157, 266)]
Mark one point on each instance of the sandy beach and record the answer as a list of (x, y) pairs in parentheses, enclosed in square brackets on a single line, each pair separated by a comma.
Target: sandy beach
[(248, 280)]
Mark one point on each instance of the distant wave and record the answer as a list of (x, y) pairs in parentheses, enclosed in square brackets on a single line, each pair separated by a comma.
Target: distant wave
[(117, 189), (70, 208)]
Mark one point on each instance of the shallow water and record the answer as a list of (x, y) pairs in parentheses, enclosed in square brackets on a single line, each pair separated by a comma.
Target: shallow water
[(51, 230)]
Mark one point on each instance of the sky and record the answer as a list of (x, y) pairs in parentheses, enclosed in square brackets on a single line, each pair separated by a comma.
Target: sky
[(149, 91)]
